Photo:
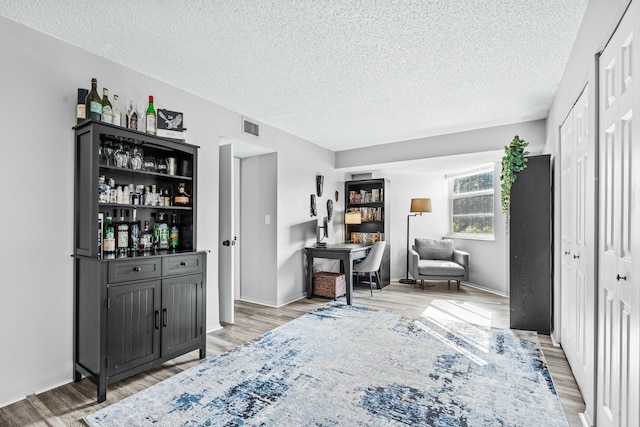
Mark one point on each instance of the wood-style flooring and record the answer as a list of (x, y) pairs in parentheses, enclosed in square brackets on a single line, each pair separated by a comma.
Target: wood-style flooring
[(68, 404)]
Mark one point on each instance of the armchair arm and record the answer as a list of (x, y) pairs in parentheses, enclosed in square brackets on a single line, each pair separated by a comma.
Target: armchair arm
[(413, 263), (462, 258)]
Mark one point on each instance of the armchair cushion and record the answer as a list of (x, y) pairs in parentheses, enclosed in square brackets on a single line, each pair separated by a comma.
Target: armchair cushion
[(429, 267), (430, 249)]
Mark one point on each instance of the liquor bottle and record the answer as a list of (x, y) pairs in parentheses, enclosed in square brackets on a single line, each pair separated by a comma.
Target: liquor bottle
[(117, 112), (132, 116), (161, 233), (93, 104), (174, 232), (146, 238), (151, 117), (134, 232), (122, 234), (181, 198), (107, 109), (109, 240), (81, 107)]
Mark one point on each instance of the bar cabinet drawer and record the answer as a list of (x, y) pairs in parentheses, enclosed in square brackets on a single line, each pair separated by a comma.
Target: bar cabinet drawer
[(130, 270), (182, 264)]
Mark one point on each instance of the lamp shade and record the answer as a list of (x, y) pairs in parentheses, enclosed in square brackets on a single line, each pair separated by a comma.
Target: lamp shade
[(352, 218), (420, 205)]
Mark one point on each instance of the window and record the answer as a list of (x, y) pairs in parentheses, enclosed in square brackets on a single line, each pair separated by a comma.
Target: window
[(472, 204)]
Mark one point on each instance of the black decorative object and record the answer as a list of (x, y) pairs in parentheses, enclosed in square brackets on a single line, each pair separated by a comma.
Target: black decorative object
[(329, 209), (319, 185), (314, 212), (530, 247)]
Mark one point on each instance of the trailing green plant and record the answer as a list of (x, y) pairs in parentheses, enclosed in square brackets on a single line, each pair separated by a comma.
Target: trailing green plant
[(514, 161)]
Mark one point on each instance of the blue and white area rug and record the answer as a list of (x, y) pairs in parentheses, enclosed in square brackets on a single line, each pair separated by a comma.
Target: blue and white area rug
[(356, 366)]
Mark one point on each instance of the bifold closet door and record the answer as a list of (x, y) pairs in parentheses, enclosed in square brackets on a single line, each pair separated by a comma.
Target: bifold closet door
[(578, 230), (618, 269)]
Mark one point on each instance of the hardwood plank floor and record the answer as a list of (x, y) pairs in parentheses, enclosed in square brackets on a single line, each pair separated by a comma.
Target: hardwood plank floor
[(69, 404)]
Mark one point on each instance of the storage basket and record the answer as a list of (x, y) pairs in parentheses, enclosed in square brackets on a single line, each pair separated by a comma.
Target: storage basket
[(330, 285)]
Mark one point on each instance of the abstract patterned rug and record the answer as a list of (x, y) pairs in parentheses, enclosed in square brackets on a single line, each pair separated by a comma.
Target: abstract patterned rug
[(357, 366)]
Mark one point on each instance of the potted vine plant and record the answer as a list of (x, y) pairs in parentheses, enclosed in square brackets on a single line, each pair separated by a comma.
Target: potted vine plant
[(514, 161)]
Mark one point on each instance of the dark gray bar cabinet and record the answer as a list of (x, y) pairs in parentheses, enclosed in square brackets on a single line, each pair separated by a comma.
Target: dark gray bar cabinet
[(134, 309)]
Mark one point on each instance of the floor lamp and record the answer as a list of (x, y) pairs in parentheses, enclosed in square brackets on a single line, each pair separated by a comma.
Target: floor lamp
[(418, 206)]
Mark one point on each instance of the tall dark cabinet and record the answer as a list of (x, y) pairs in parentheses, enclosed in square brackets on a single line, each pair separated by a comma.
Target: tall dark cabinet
[(135, 309), (531, 247), (370, 198)]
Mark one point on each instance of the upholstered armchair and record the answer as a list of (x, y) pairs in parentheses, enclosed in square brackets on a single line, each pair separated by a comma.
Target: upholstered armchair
[(431, 259)]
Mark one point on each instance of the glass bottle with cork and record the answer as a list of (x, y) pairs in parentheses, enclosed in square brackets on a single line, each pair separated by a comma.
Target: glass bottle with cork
[(181, 198), (107, 108), (93, 103)]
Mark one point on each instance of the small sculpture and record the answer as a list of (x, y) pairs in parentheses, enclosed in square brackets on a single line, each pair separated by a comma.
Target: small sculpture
[(329, 209)]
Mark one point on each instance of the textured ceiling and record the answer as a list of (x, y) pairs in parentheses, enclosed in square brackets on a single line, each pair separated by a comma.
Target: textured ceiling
[(341, 74)]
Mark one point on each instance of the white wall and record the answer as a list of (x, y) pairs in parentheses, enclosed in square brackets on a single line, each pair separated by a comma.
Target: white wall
[(258, 240), (473, 141), (39, 78)]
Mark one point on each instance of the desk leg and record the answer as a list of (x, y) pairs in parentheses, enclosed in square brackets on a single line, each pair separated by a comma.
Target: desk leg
[(309, 275), (347, 262)]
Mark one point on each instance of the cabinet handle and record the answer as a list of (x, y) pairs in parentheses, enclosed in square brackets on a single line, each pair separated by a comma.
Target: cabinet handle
[(165, 317), (137, 269), (576, 256), (567, 252), (619, 277), (156, 315), (183, 263)]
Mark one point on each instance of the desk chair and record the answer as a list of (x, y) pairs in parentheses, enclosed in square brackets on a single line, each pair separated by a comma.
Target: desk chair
[(371, 264)]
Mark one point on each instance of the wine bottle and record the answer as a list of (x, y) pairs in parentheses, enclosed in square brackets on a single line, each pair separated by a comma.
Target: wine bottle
[(134, 232), (181, 198), (93, 104), (117, 112), (81, 107), (132, 116), (161, 233), (109, 240), (146, 238), (122, 234), (151, 117), (174, 232), (107, 109)]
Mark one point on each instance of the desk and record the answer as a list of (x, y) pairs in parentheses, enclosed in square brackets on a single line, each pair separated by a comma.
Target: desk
[(345, 252)]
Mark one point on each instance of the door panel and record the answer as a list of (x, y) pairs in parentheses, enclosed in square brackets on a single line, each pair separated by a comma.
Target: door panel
[(133, 334), (578, 292), (618, 273), (181, 313)]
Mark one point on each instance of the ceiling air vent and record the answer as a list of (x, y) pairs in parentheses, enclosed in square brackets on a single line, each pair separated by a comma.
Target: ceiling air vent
[(252, 128)]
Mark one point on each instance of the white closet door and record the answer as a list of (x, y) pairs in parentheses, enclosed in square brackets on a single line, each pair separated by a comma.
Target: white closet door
[(618, 270), (578, 296)]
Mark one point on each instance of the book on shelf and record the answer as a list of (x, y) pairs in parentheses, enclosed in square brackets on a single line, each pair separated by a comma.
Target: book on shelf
[(363, 196), (358, 237)]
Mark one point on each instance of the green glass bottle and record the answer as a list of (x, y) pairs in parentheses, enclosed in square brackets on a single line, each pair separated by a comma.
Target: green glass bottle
[(107, 108), (151, 117), (93, 103)]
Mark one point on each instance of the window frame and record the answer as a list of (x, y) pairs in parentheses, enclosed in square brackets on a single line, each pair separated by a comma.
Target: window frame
[(452, 196)]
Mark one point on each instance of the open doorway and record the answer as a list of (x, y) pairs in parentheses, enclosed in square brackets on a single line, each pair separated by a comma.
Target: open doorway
[(230, 223)]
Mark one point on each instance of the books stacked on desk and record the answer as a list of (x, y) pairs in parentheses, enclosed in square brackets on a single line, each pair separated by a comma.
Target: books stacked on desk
[(321, 245)]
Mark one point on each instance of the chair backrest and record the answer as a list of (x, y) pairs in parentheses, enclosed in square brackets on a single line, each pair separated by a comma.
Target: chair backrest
[(434, 249), (374, 258)]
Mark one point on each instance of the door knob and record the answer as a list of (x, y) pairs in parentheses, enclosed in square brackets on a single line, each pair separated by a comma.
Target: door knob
[(226, 243), (567, 252), (576, 256), (619, 277)]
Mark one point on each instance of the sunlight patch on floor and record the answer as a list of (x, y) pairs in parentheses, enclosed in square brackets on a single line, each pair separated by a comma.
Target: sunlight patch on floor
[(458, 312), (450, 343)]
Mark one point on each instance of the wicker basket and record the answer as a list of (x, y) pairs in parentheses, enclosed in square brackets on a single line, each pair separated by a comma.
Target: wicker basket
[(330, 285)]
